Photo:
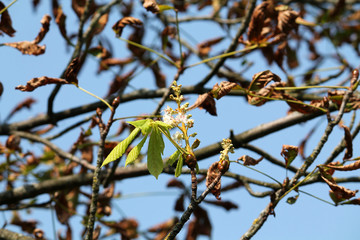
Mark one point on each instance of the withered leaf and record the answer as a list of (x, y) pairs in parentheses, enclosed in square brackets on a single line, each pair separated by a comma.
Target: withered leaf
[(249, 161), (79, 7), (179, 204), (137, 37), (340, 192), (205, 47), (353, 166), (289, 153), (13, 142), (348, 142), (207, 102), (72, 71), (41, 81), (299, 106), (101, 24), (63, 208), (167, 225), (160, 78), (212, 173), (120, 82), (286, 20), (222, 90), (26, 225), (60, 18), (175, 183), (126, 227), (27, 47), (169, 31), (45, 21), (227, 205), (119, 25), (6, 23), (151, 5), (27, 103), (303, 143), (261, 12), (108, 62), (1, 89), (261, 79)]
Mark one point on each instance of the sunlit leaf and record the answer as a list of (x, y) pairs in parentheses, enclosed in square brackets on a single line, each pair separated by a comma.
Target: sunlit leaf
[(165, 8), (156, 148), (134, 153), (120, 149), (173, 157), (143, 124)]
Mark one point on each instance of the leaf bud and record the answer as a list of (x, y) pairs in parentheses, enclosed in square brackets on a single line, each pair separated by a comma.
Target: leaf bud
[(223, 166), (116, 102), (190, 161)]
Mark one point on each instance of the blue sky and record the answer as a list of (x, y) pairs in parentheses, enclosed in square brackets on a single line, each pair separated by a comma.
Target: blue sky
[(147, 199)]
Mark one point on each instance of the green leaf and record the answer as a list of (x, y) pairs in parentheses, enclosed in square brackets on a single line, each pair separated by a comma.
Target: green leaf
[(179, 166), (165, 8), (120, 149), (165, 125), (173, 157), (134, 153), (156, 148), (145, 125)]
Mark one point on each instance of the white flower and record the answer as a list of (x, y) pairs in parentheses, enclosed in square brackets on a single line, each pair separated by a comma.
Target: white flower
[(178, 137), (168, 118)]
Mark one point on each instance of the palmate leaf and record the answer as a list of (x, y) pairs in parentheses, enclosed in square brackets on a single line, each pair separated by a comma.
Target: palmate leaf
[(120, 149), (173, 157), (156, 147), (144, 124), (134, 153)]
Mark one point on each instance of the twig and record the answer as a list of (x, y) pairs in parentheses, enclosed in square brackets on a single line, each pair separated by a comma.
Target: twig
[(233, 44), (56, 149)]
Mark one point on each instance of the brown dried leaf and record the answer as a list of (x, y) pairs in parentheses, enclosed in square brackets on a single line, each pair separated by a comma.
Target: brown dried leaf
[(249, 161), (179, 204), (72, 71), (151, 5), (100, 25), (300, 106), (27, 103), (340, 192), (261, 12), (63, 208), (227, 205), (160, 78), (261, 79), (349, 167), (222, 90), (26, 225), (205, 47), (286, 21), (169, 31), (207, 102), (212, 173), (119, 25), (232, 186), (126, 227), (164, 226), (175, 183), (41, 81), (348, 142), (108, 62), (60, 18), (13, 142), (120, 82), (79, 7), (289, 153), (303, 143), (5, 22), (353, 201), (27, 47), (1, 89), (45, 21)]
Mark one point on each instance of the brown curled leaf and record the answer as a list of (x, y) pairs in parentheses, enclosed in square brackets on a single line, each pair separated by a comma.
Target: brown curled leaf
[(120, 82), (175, 183), (289, 153), (27, 103), (160, 78), (162, 229), (1, 89), (151, 5), (119, 25), (72, 71), (79, 7), (212, 173), (207, 102), (60, 18), (349, 167), (205, 47), (286, 21), (41, 81), (249, 161), (261, 12), (260, 97), (299, 106), (27, 47), (109, 62), (348, 142), (45, 21), (340, 192), (6, 23), (222, 90)]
